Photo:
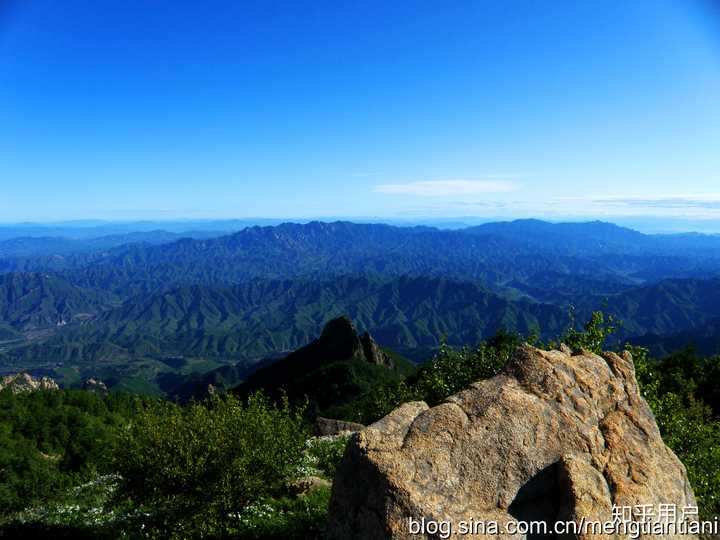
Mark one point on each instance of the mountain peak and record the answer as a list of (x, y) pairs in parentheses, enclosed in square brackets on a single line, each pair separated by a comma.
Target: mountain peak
[(340, 330), (330, 370), (341, 340)]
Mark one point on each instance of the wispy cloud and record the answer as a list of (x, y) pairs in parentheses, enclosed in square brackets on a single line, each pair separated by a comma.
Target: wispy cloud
[(696, 206), (708, 201), (444, 188)]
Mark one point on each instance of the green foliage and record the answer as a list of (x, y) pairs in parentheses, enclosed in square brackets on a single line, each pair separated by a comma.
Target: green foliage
[(52, 440), (78, 513), (451, 370), (299, 518), (454, 369), (326, 453), (78, 465), (379, 402), (194, 466), (593, 335), (688, 426)]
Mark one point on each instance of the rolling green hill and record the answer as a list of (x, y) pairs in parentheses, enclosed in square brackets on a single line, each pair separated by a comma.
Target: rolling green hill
[(37, 300), (264, 317), (705, 339), (661, 308)]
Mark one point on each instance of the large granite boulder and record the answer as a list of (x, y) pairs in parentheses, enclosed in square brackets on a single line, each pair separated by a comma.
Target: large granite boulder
[(557, 437)]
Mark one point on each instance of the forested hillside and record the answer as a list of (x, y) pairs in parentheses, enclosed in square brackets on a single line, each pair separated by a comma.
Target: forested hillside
[(153, 311), (81, 464)]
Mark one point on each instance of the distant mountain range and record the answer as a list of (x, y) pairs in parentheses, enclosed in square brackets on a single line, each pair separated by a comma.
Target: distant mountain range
[(93, 304), (31, 246), (262, 317), (705, 339)]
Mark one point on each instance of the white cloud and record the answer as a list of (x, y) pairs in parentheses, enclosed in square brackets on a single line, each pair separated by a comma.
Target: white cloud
[(710, 201), (687, 206), (444, 188)]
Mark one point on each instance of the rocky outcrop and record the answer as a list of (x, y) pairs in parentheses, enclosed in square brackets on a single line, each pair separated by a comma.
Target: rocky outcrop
[(341, 340), (373, 353), (329, 372), (328, 427), (308, 484), (95, 385), (556, 437), (24, 382)]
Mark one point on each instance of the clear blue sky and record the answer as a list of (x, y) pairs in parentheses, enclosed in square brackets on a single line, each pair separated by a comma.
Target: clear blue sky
[(166, 109)]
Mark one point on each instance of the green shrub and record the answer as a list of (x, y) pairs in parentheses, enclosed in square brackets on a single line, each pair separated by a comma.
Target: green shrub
[(326, 453), (593, 335), (300, 518), (193, 467), (449, 371), (686, 423), (52, 440)]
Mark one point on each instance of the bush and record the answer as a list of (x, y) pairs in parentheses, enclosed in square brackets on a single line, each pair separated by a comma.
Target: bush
[(593, 335), (449, 371), (326, 453), (194, 467), (301, 518), (52, 440), (686, 423)]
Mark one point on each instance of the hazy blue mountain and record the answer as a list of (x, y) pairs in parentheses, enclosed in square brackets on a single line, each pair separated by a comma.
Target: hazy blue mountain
[(500, 255), (599, 238), (30, 246), (594, 238), (89, 229), (324, 250)]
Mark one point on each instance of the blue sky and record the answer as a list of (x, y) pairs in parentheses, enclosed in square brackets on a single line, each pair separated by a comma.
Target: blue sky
[(160, 109)]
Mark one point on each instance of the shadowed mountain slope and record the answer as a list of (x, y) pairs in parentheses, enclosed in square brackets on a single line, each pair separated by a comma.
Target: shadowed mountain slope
[(331, 371)]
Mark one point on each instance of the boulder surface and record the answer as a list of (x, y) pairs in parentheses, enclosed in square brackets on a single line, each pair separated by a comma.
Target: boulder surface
[(557, 437), (329, 427)]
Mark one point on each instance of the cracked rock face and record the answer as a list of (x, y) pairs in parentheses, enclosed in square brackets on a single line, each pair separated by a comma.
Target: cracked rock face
[(557, 437)]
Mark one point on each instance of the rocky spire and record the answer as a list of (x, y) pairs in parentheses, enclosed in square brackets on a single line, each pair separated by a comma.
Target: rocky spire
[(340, 339)]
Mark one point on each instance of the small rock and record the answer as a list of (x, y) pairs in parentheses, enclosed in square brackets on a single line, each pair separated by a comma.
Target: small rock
[(307, 484), (94, 385)]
